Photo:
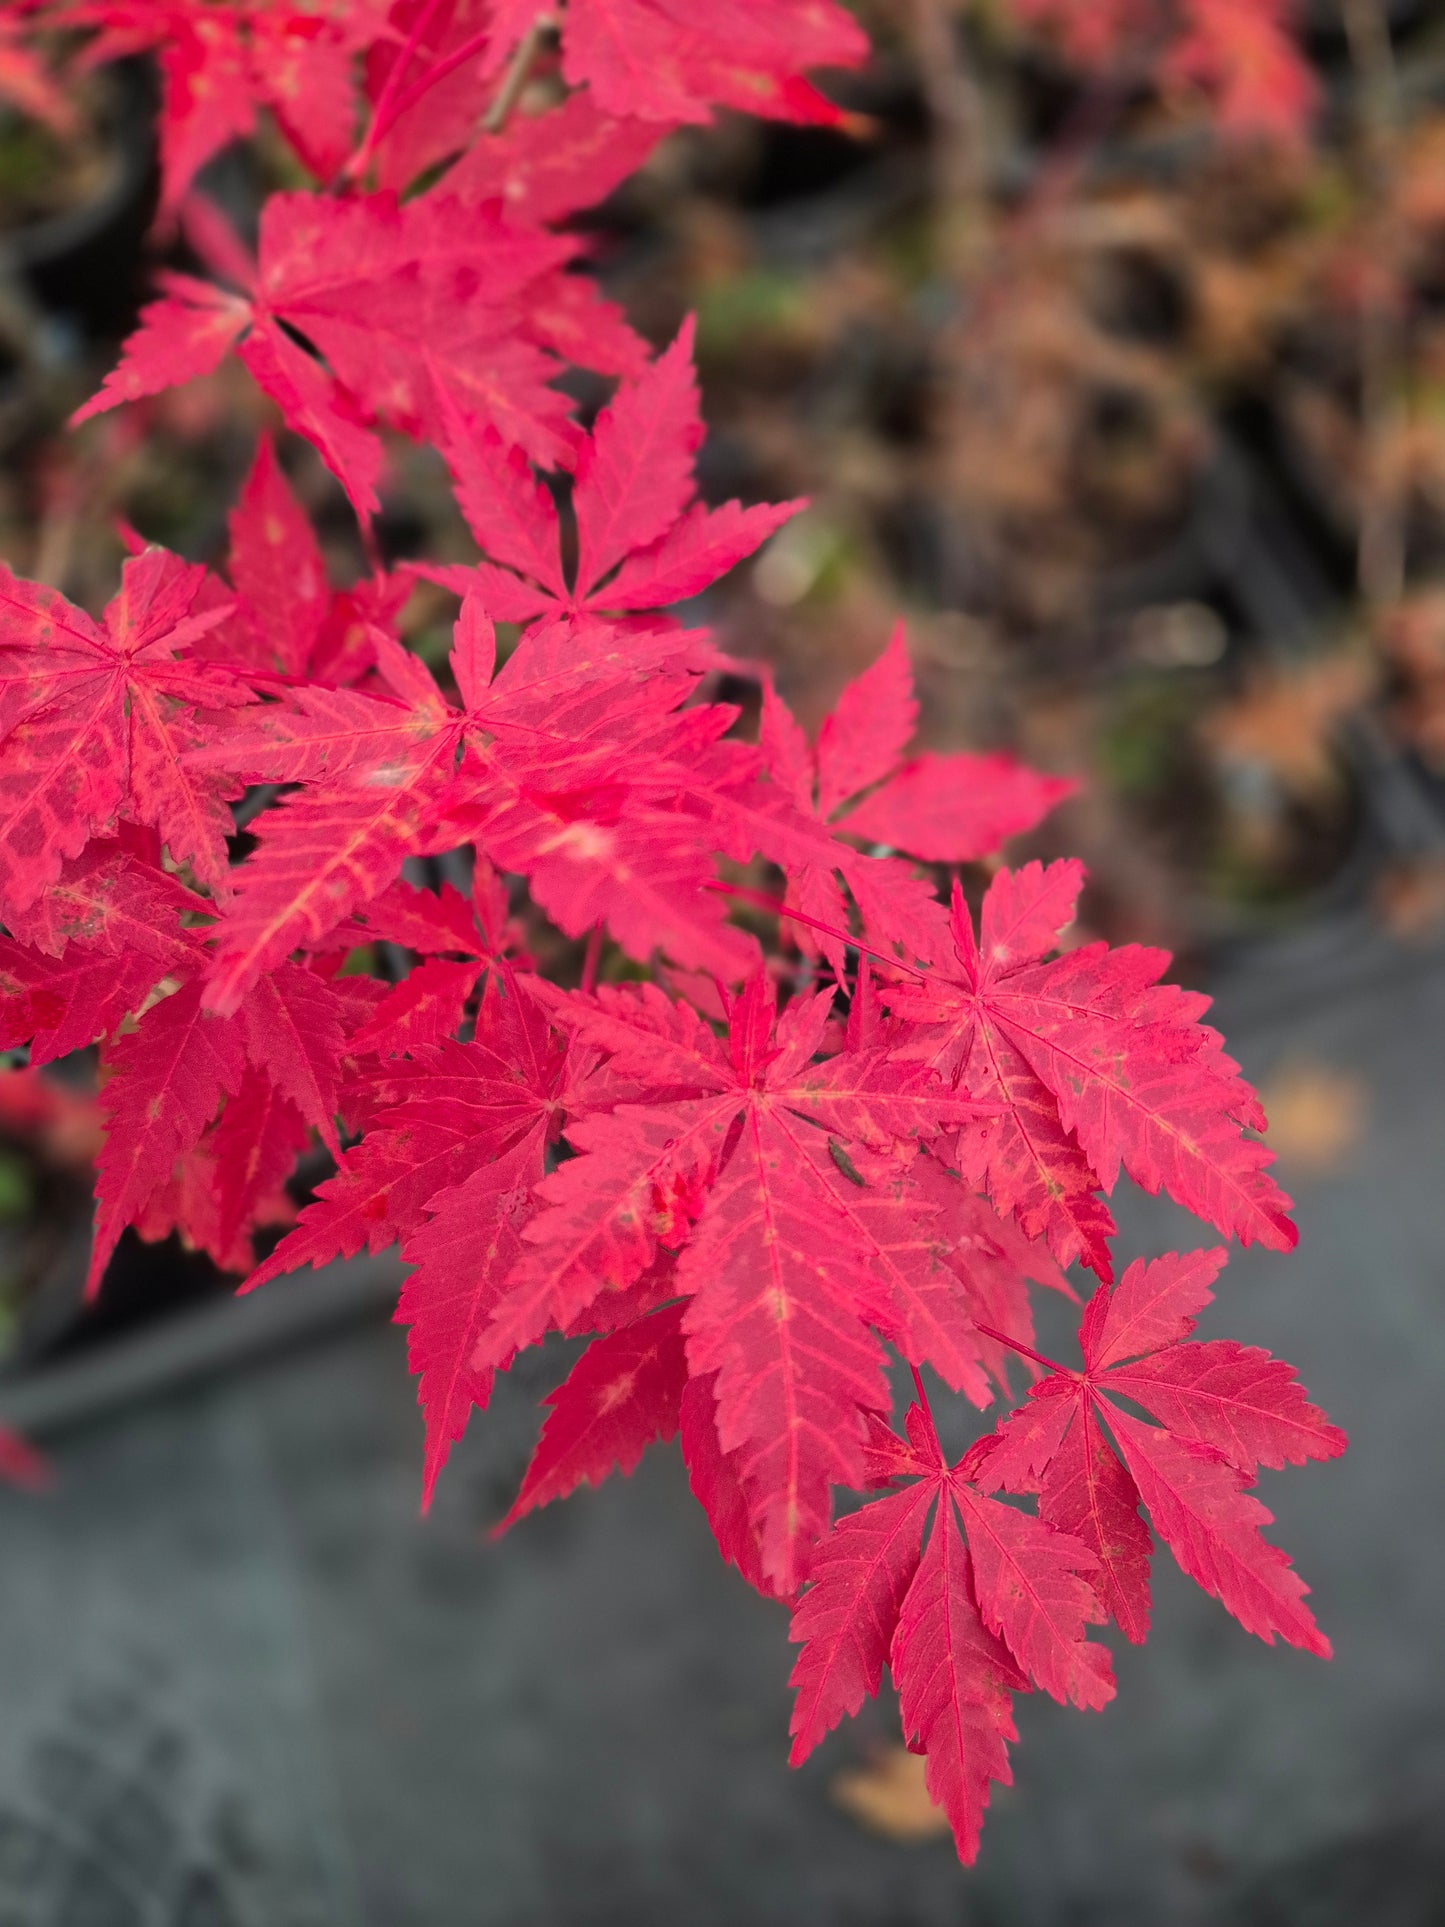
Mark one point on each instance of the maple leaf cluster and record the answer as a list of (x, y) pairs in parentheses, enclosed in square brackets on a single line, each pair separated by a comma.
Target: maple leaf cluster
[(751, 1179)]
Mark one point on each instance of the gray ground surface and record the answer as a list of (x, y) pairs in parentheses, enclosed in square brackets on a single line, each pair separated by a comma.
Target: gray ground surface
[(243, 1682)]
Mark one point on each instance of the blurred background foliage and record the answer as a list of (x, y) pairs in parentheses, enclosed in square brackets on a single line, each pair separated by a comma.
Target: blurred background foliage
[(1124, 384)]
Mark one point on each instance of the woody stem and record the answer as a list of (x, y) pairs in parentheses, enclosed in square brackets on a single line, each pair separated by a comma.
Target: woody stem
[(515, 79)]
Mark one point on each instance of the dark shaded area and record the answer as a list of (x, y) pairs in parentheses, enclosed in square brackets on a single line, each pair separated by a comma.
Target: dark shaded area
[(241, 1674)]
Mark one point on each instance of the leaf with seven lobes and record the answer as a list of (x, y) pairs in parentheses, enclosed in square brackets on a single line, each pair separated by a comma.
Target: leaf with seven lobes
[(996, 1597), (1224, 1410)]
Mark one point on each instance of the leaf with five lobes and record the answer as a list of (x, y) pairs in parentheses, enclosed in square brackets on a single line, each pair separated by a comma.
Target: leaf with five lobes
[(579, 771), (789, 1261), (622, 1395), (664, 60), (961, 1622), (1225, 1409)]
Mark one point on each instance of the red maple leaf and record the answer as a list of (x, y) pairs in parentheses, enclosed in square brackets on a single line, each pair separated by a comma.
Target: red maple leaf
[(623, 1394), (1093, 1064), (423, 313), (221, 63), (997, 1597), (642, 540), (667, 60), (1224, 1410), (97, 721), (860, 781), (543, 167), (165, 1081)]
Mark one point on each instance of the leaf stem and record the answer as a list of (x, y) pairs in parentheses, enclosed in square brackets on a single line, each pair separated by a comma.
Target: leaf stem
[(591, 959), (1025, 1351), (765, 902), (383, 114)]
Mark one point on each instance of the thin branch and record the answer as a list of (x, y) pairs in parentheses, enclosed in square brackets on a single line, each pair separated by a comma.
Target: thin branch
[(517, 74)]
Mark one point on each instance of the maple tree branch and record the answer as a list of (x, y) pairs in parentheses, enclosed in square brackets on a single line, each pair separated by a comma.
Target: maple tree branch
[(1024, 1351), (517, 74), (918, 1387)]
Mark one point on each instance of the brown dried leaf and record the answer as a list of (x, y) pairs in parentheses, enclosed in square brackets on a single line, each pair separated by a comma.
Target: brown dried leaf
[(889, 1797)]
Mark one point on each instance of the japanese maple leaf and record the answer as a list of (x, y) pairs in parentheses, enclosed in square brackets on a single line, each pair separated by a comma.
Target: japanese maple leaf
[(576, 769), (277, 571), (57, 1005), (221, 63), (429, 1122), (1094, 1064), (860, 781), (671, 61), (165, 1081), (642, 540), (543, 167), (97, 719), (423, 313), (231, 1182), (623, 1394), (995, 1598), (115, 902), (788, 1260), (1224, 1410)]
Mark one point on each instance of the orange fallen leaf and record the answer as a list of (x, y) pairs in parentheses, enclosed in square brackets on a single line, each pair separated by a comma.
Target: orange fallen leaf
[(889, 1797), (1316, 1115)]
